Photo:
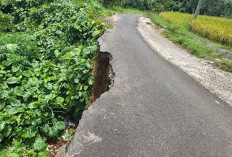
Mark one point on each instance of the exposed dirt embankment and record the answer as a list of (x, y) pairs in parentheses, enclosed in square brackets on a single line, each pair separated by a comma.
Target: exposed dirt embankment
[(104, 76), (215, 80)]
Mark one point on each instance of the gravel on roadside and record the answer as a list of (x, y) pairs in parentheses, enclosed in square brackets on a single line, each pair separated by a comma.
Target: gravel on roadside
[(212, 78)]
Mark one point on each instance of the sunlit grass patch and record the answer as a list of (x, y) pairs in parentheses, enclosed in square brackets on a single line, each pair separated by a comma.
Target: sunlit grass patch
[(215, 28), (176, 18)]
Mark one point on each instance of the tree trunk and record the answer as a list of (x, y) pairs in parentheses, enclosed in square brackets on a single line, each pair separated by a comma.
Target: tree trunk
[(198, 9), (122, 3)]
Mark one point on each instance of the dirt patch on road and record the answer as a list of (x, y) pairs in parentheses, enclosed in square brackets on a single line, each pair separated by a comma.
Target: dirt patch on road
[(111, 19), (215, 80)]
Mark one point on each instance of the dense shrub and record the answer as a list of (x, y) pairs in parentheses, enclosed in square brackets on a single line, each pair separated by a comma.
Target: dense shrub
[(6, 22), (45, 71)]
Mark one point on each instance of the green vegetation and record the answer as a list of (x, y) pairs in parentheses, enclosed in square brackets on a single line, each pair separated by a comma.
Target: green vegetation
[(46, 53), (119, 10), (47, 49), (209, 7), (179, 33), (177, 18), (5, 22), (215, 28)]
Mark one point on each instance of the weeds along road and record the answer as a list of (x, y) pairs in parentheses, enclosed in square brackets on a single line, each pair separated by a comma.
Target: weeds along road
[(153, 109)]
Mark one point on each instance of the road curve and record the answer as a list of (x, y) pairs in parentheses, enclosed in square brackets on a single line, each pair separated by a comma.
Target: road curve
[(154, 109)]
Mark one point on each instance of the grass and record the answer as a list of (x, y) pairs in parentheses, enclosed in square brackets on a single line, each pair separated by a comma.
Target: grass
[(119, 10), (178, 32), (215, 28), (176, 18)]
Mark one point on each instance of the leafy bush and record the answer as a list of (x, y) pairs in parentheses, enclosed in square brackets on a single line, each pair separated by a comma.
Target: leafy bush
[(6, 22), (20, 8), (45, 72)]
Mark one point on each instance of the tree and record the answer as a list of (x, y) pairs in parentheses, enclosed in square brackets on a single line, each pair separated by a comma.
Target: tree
[(198, 9), (145, 5)]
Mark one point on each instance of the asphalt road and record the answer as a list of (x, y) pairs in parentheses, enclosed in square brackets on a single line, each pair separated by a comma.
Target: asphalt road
[(154, 109)]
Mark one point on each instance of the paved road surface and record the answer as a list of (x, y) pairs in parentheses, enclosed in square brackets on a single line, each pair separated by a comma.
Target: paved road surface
[(153, 110)]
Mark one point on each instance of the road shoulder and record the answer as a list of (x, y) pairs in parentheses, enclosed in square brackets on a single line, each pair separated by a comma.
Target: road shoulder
[(215, 80)]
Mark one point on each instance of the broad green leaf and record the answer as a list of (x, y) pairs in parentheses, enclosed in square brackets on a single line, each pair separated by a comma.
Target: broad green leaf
[(86, 87), (95, 34), (45, 128), (59, 100), (15, 69), (39, 144), (37, 122), (88, 65), (2, 104), (17, 141), (1, 137), (3, 151), (11, 110), (17, 118), (13, 155), (11, 47), (18, 91), (5, 115), (77, 26), (2, 125), (60, 125), (86, 51), (53, 132), (43, 154), (76, 80), (4, 94), (27, 73), (49, 97), (31, 105), (49, 86), (15, 102), (7, 131), (11, 80), (34, 104), (28, 133), (91, 81), (57, 53)]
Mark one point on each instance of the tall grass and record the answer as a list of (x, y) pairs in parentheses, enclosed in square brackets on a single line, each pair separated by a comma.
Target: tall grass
[(215, 28), (176, 18)]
